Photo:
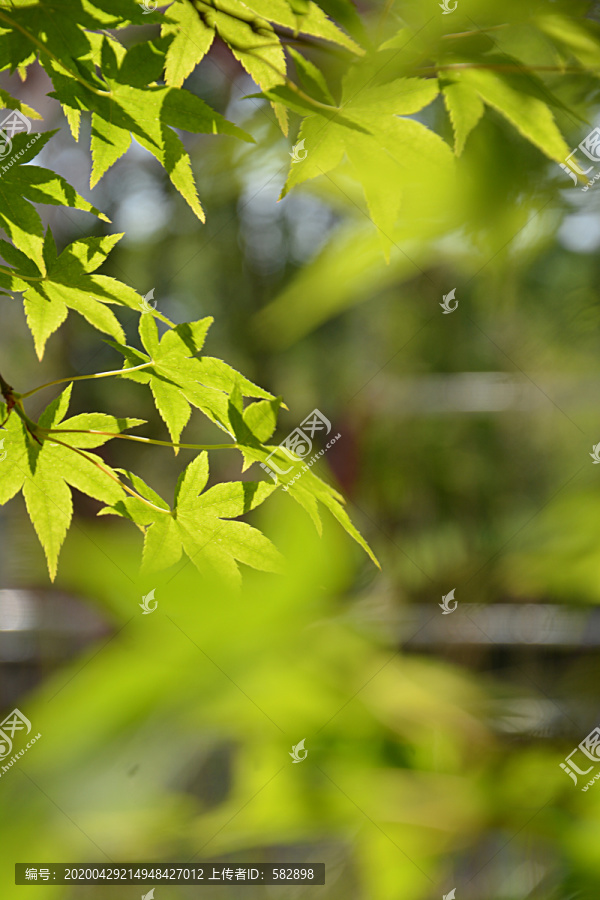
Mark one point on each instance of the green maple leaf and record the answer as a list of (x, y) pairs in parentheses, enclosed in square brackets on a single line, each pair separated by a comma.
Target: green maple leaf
[(191, 41), (311, 77), (252, 427), (10, 102), (520, 98), (67, 283), (14, 443), (465, 108), (389, 154), (308, 490), (199, 524), (46, 472), (345, 13), (22, 185), (253, 42), (38, 29), (125, 107), (180, 379), (573, 37), (56, 29), (248, 31), (308, 18)]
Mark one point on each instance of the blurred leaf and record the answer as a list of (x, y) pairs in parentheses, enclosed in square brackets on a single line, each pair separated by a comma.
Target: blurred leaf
[(511, 96), (465, 109)]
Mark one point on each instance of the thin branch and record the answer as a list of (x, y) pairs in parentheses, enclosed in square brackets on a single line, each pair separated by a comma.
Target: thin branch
[(459, 34), (7, 393), (6, 389), (13, 401), (500, 68), (85, 378), (304, 41), (145, 440), (386, 11)]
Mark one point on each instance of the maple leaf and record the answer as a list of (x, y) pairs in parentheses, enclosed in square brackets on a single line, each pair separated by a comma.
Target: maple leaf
[(127, 106), (255, 425), (68, 282), (22, 185), (388, 152), (46, 471), (199, 524), (179, 378)]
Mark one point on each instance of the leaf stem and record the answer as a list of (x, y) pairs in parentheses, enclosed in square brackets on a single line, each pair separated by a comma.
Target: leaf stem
[(16, 274), (107, 472), (145, 440), (85, 378)]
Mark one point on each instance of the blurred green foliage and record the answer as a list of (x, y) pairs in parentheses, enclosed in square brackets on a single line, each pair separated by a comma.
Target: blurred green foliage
[(128, 733), (464, 455)]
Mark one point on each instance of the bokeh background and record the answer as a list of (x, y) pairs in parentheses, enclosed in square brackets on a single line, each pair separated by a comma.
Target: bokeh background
[(433, 741)]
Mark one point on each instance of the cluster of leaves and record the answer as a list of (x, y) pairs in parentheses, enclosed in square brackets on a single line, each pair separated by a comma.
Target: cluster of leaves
[(50, 456), (91, 70), (368, 132), (361, 124)]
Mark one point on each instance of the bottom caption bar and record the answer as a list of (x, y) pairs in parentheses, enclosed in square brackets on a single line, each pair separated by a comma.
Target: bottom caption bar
[(169, 873)]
